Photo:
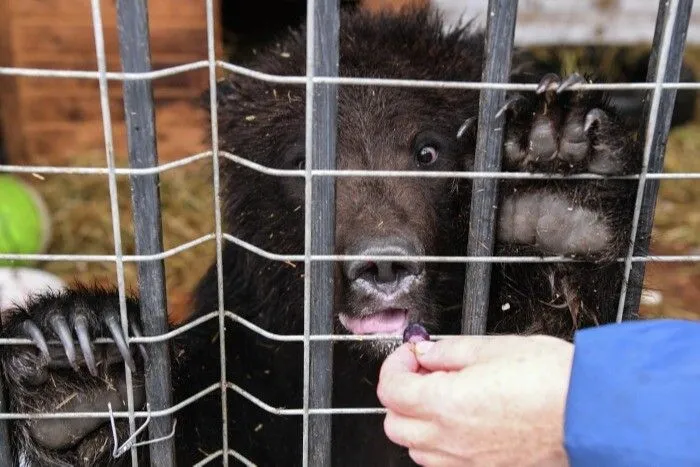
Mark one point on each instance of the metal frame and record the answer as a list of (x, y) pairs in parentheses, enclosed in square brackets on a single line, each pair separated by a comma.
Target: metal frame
[(321, 83), (322, 59), (498, 48), (664, 65)]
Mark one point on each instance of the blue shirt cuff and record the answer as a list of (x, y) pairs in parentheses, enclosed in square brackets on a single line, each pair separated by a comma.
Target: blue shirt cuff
[(634, 395)]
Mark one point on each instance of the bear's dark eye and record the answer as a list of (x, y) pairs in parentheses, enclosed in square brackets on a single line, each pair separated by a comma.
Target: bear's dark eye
[(426, 155)]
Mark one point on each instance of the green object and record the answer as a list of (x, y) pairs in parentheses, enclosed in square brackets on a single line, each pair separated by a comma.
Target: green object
[(24, 220)]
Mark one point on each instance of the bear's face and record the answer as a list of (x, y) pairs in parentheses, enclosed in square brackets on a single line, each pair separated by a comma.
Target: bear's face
[(378, 129), (396, 130)]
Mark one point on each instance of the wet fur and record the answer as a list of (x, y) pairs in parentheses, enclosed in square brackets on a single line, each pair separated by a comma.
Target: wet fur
[(264, 122)]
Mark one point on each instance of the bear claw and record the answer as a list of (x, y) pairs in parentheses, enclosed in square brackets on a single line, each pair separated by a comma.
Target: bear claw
[(592, 117), (467, 125), (34, 333), (59, 325), (81, 331), (511, 104), (570, 81), (551, 82), (112, 322)]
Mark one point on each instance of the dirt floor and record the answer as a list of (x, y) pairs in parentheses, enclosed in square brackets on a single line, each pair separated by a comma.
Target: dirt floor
[(82, 224)]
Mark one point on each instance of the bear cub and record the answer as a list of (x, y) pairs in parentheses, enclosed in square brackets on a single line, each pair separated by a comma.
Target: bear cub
[(553, 130)]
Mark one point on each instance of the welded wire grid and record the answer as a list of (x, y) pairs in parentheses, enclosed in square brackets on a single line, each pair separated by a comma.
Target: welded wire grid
[(673, 19)]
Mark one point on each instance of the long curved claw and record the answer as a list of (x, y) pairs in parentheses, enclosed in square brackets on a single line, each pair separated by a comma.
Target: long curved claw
[(136, 329), (113, 324), (81, 329), (570, 81), (60, 327), (36, 335), (510, 104), (465, 126), (592, 117), (549, 82)]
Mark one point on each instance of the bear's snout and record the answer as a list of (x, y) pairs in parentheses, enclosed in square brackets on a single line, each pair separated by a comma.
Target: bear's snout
[(384, 295), (385, 279)]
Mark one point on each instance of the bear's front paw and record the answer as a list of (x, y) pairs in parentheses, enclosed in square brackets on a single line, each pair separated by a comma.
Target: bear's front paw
[(66, 371), (27, 366), (558, 130), (562, 131)]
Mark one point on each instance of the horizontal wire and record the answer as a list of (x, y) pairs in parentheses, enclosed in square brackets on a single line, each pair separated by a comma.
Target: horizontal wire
[(356, 81), (446, 174), (315, 337), (449, 259), (188, 401), (341, 258), (284, 412), (478, 85), (98, 258), (339, 172), (48, 169), (153, 413), (170, 252), (236, 319), (139, 340), (501, 175), (94, 75)]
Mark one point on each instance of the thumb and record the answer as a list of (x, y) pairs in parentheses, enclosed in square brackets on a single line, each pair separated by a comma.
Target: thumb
[(401, 361), (456, 353)]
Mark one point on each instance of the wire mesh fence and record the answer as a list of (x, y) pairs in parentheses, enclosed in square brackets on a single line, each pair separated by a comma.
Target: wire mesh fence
[(322, 83)]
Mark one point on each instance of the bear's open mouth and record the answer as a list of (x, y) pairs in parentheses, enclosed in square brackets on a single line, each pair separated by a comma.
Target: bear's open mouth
[(386, 321)]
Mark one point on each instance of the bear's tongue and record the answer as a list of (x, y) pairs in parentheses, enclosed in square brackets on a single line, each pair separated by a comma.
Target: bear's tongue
[(389, 321)]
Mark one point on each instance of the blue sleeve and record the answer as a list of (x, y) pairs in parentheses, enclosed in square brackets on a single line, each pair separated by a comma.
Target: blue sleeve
[(634, 395)]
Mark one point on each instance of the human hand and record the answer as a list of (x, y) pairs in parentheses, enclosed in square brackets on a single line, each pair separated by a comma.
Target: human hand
[(478, 400)]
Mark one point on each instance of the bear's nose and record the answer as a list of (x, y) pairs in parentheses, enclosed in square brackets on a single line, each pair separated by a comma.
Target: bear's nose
[(384, 272)]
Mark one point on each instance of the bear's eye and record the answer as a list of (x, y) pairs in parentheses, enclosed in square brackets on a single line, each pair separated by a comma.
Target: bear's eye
[(426, 155)]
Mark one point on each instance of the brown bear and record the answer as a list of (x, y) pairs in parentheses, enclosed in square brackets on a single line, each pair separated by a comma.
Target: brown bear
[(379, 128)]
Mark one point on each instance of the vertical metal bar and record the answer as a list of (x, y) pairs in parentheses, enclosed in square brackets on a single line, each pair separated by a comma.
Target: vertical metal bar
[(135, 54), (101, 56), (216, 176), (323, 23), (5, 451), (670, 73), (498, 48)]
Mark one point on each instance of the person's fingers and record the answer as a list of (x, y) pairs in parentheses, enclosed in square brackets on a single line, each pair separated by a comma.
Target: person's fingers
[(403, 387), (401, 360), (456, 353), (427, 458), (409, 432)]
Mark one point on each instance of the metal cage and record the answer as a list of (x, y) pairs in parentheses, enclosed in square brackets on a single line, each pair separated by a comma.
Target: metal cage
[(321, 83)]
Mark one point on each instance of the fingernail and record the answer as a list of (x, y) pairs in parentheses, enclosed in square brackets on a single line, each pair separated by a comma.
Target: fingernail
[(422, 347)]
